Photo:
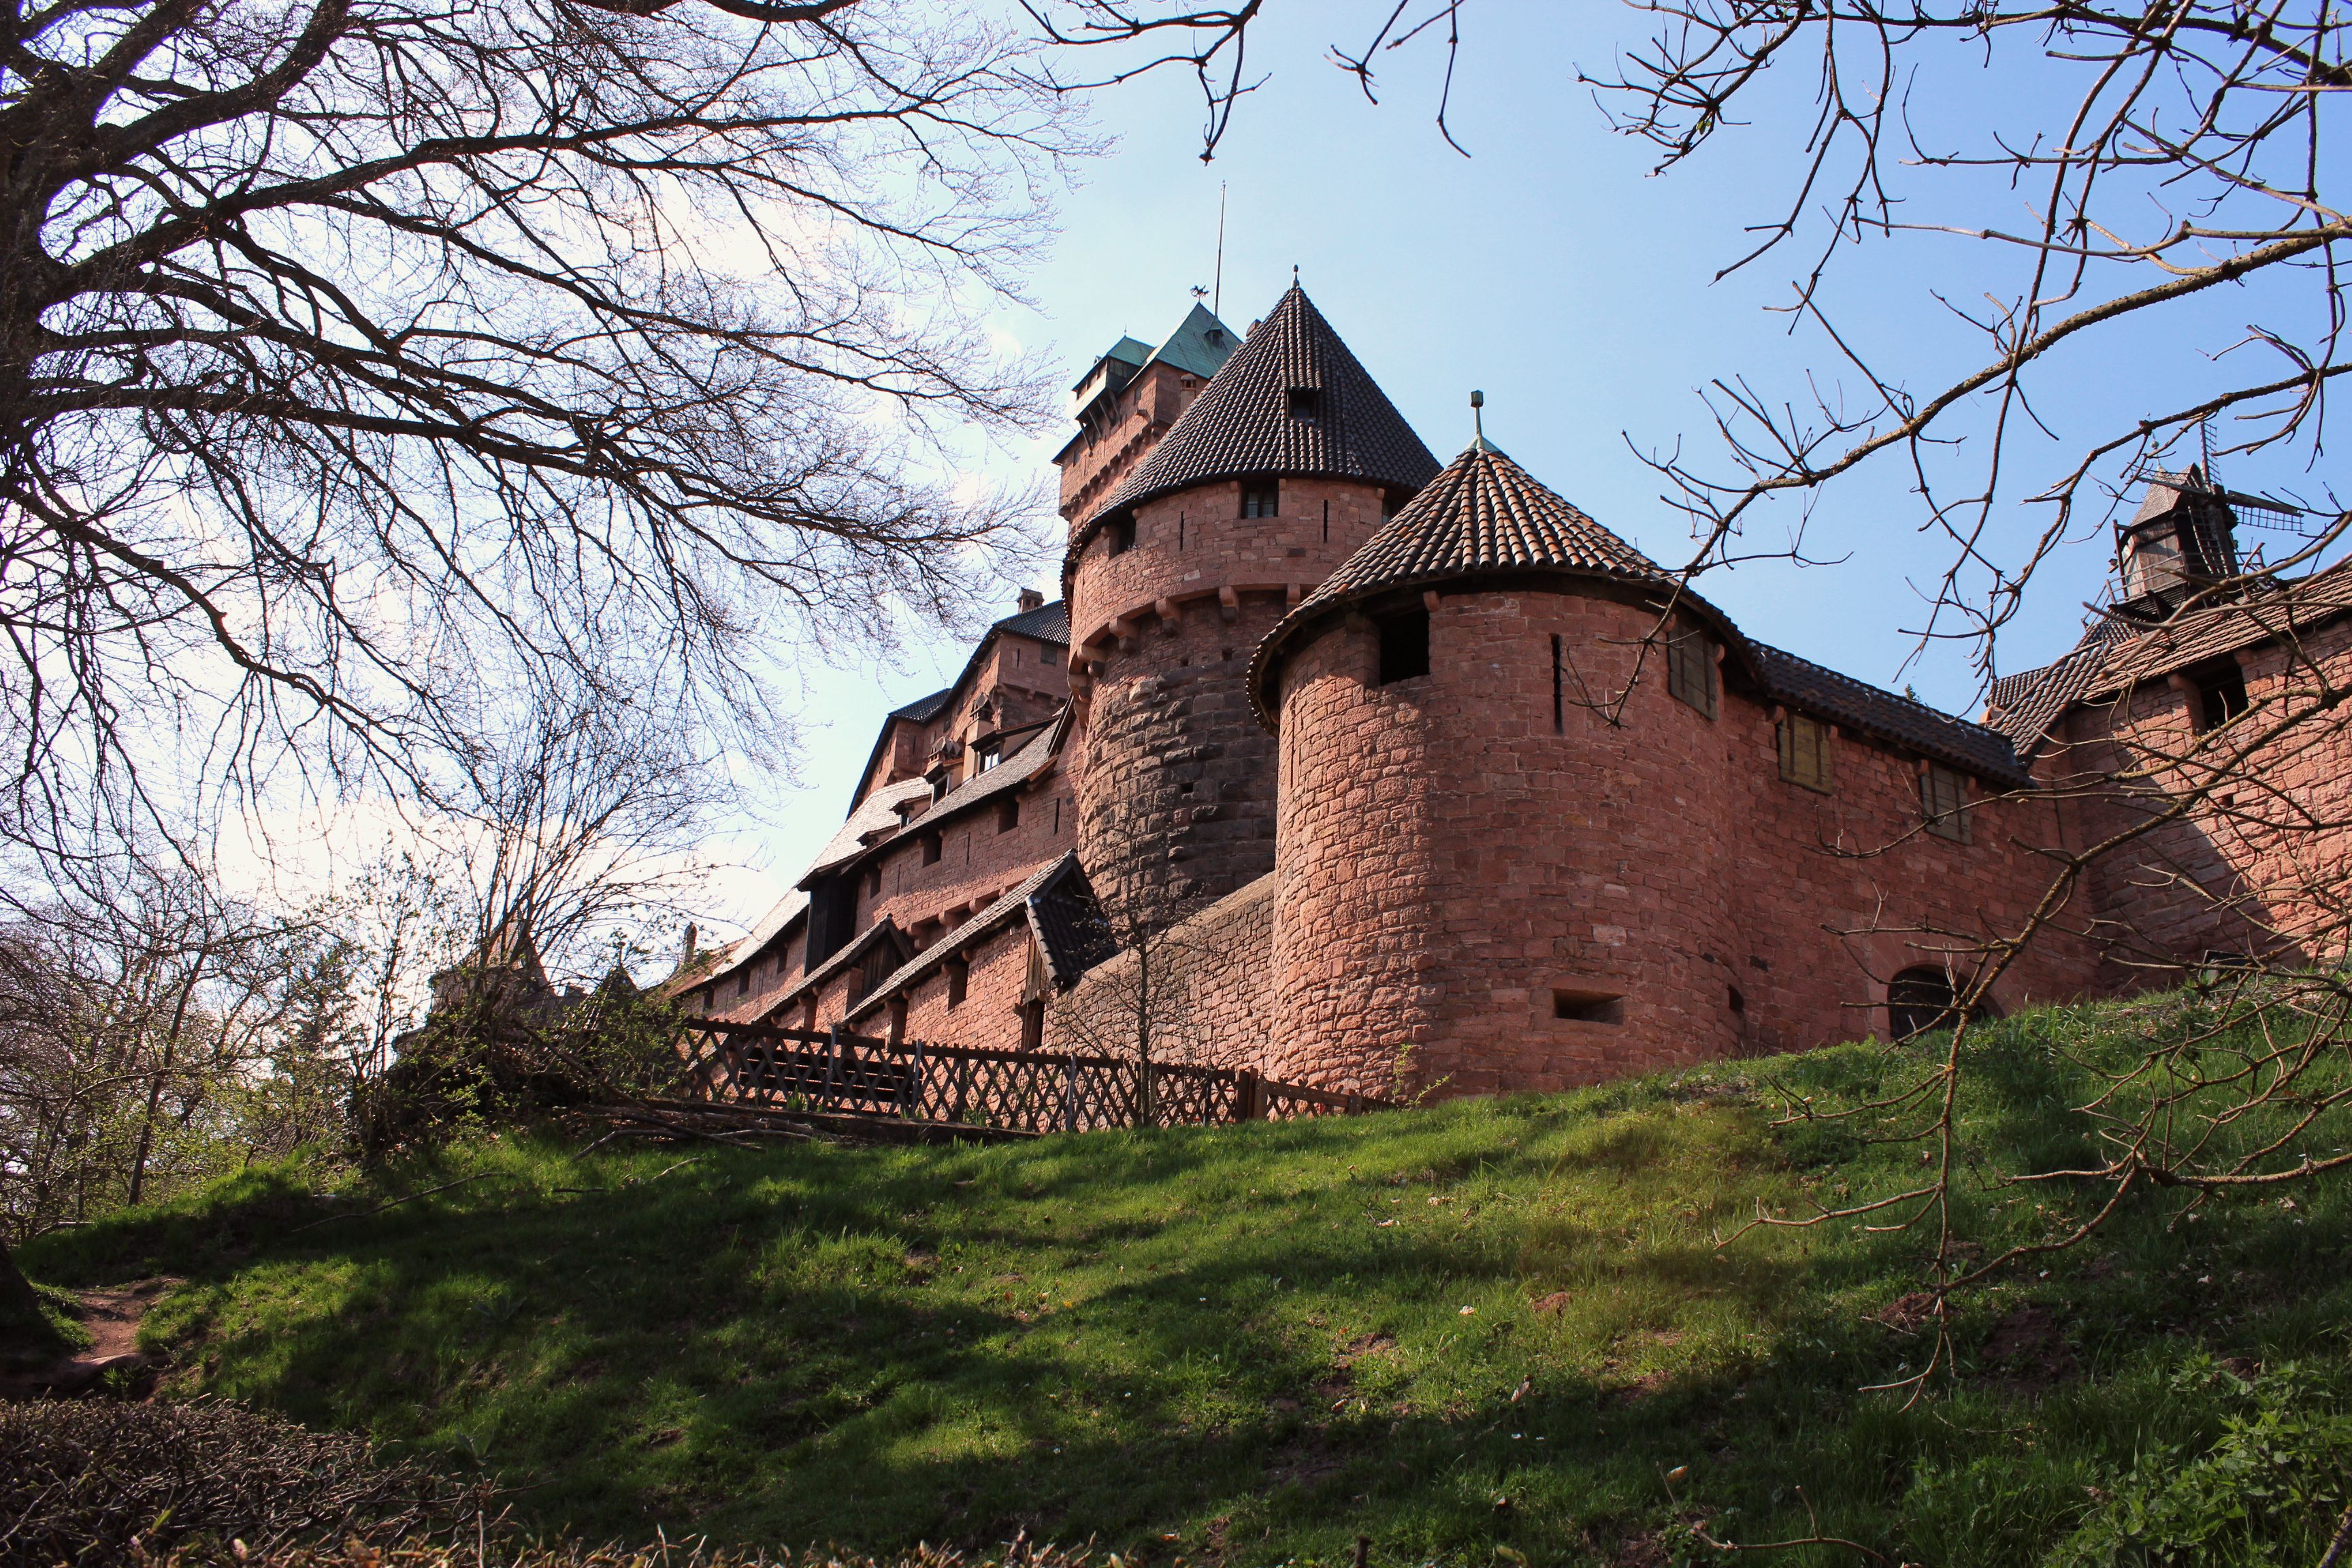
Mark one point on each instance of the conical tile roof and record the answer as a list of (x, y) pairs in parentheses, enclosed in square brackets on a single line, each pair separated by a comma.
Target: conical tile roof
[(1483, 516), (1483, 513), (1487, 518), (1244, 422)]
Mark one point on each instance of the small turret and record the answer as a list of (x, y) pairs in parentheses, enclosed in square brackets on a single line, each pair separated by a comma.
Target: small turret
[(2184, 537)]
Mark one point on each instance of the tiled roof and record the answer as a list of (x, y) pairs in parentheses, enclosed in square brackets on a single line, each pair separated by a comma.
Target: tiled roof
[(2024, 705), (1047, 623), (1856, 705), (878, 813), (923, 710), (1128, 350), (1241, 423), (767, 1003), (1483, 516), (1487, 518), (723, 963), (1060, 884), (1199, 346), (1483, 513), (1035, 756), (1069, 923)]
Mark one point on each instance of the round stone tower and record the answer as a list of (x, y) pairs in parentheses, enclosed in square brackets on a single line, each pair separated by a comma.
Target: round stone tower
[(1284, 465), (1503, 842)]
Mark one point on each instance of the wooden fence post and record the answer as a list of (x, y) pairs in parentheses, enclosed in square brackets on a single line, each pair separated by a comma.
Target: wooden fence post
[(1250, 1101), (831, 1060), (910, 1098)]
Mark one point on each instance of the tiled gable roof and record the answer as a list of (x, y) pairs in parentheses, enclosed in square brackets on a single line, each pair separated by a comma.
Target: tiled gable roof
[(1048, 624), (923, 710), (1857, 705), (722, 962), (1059, 904), (1035, 755), (1069, 923), (761, 1007), (1241, 423), (2112, 658), (877, 813)]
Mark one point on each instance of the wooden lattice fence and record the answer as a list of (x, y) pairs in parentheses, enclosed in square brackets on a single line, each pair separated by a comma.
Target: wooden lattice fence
[(829, 1072)]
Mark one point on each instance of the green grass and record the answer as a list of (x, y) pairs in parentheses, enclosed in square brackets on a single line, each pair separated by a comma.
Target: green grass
[(1484, 1332)]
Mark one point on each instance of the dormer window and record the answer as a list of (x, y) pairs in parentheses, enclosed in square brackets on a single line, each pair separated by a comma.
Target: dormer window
[(1261, 498), (1119, 537), (1307, 402)]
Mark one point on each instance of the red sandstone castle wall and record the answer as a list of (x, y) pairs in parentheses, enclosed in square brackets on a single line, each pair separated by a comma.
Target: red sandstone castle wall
[(1449, 862), (1177, 799), (1118, 437), (1209, 997), (977, 861), (2261, 864), (996, 970)]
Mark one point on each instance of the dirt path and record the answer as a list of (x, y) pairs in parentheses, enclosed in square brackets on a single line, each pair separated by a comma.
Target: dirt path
[(112, 1319)]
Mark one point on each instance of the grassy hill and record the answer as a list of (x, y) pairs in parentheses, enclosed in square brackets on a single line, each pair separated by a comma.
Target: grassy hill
[(1492, 1330)]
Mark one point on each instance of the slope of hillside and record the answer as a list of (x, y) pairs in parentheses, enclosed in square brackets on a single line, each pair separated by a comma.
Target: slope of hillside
[(1489, 1329)]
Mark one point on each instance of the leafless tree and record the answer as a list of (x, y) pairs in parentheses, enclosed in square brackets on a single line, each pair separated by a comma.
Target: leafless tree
[(130, 1030), (364, 363), (1142, 1003)]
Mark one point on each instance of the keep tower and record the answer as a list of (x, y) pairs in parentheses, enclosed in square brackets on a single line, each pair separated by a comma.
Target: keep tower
[(1285, 462)]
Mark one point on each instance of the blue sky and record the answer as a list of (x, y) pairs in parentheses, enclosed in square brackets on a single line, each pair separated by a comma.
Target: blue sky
[(1550, 270)]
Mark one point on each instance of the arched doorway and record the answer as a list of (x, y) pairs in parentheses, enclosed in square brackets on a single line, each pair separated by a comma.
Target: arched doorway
[(1918, 1000)]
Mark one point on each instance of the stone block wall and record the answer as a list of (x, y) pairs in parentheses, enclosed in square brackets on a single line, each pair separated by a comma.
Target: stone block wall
[(996, 970), (977, 861), (1177, 796), (1208, 994), (1460, 869), (2260, 866)]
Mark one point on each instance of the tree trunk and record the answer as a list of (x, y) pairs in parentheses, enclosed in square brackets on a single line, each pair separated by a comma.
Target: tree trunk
[(16, 1296)]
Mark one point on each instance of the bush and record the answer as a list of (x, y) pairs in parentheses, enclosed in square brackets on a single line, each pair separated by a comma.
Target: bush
[(495, 1058)]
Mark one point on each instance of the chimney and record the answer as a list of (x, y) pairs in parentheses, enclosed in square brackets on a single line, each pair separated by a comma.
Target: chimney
[(1031, 599)]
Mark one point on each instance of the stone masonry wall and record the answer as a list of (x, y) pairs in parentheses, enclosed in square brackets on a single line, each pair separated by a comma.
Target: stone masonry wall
[(977, 861), (1455, 868), (996, 969), (1209, 995), (1177, 795), (2260, 868)]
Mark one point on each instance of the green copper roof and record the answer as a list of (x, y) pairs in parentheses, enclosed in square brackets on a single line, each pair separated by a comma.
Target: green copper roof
[(1200, 346), (1129, 351)]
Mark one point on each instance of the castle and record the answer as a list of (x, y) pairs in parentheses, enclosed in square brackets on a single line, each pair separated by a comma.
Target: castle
[(1414, 771)]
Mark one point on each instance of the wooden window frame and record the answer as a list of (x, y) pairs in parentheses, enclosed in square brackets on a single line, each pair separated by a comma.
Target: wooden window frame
[(1805, 757), (1690, 667), (1261, 498), (959, 973), (1118, 536), (1943, 801), (1008, 814)]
